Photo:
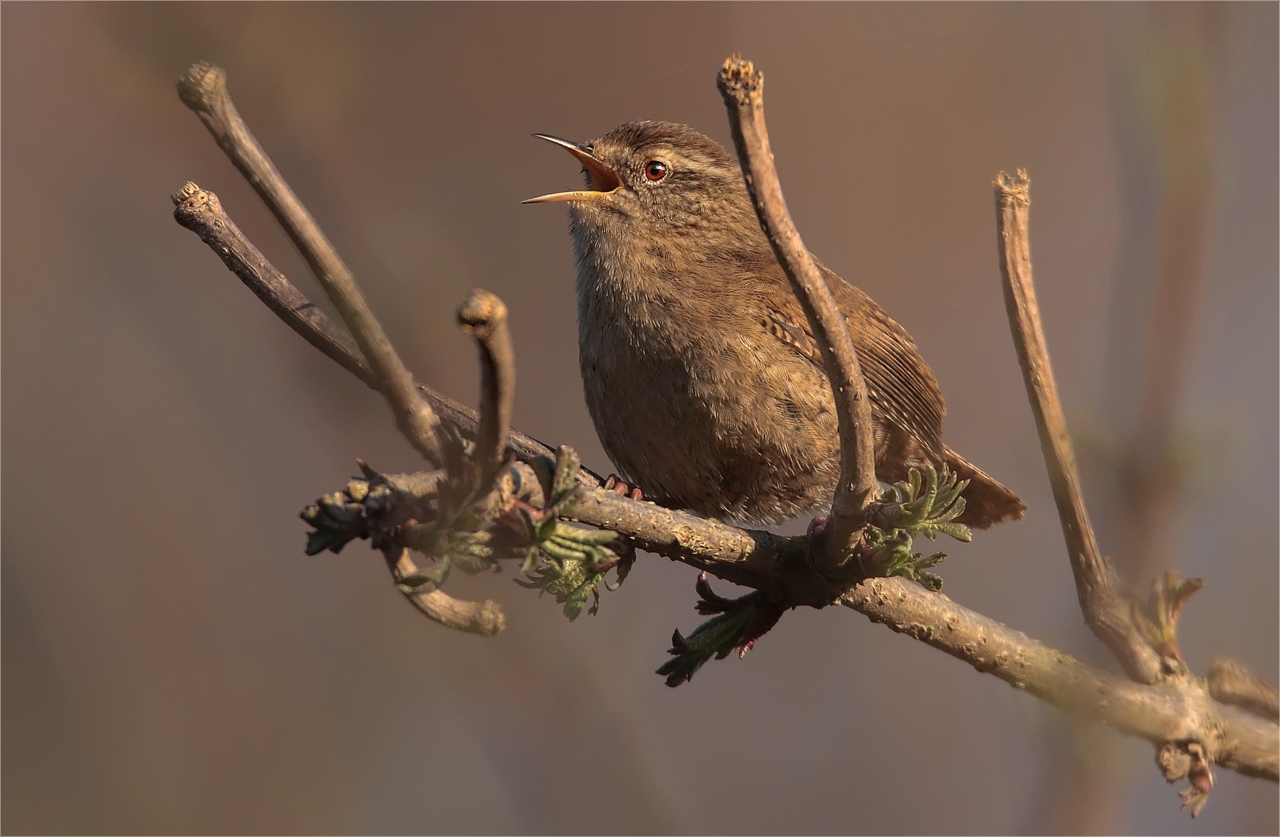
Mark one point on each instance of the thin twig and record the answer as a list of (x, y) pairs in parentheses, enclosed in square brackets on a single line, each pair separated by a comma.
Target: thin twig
[(204, 90), (484, 317), (202, 213), (743, 90), (1098, 588), (1230, 682)]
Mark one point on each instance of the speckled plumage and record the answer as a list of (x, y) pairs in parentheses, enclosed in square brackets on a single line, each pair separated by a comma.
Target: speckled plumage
[(699, 369)]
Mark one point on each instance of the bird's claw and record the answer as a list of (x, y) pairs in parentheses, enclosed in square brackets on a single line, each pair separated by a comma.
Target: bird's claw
[(617, 486)]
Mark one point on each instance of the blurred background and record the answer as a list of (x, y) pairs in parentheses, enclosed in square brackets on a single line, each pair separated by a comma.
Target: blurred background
[(174, 663)]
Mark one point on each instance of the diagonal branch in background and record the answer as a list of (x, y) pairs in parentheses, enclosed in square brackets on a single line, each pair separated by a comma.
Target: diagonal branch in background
[(204, 90), (1102, 599), (202, 213), (742, 87), (1177, 714)]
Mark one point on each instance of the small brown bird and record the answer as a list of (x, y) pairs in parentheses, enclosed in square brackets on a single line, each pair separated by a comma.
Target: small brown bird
[(701, 374)]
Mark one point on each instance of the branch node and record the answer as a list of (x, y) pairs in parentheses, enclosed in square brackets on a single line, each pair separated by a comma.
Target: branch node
[(1013, 189), (1157, 617), (1187, 760)]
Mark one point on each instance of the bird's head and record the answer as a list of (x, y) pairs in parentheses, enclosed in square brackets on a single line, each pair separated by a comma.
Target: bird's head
[(654, 174)]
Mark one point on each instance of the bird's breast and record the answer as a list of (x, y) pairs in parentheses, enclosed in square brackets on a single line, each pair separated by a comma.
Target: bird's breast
[(692, 399)]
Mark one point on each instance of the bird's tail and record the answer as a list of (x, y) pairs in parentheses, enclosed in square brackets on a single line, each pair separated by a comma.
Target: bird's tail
[(986, 501)]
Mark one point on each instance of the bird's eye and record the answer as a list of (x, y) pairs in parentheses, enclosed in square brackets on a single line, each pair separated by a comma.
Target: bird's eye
[(656, 170)]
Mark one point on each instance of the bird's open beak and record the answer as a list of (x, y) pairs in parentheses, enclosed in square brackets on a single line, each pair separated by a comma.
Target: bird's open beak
[(604, 180)]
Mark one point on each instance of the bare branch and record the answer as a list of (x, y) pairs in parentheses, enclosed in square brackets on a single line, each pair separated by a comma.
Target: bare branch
[(484, 317), (202, 213), (1098, 588), (751, 558), (1180, 711), (743, 90), (204, 90), (1230, 682)]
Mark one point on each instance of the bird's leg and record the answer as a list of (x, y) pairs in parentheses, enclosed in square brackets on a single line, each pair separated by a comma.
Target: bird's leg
[(614, 483)]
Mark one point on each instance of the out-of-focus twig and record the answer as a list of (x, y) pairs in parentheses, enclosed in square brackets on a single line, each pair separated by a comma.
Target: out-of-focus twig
[(1230, 682), (742, 87), (484, 618)]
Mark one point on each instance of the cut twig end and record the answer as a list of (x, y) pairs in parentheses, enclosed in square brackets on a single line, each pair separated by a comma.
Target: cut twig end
[(480, 313), (187, 192), (739, 81), (193, 206), (202, 83), (1013, 188)]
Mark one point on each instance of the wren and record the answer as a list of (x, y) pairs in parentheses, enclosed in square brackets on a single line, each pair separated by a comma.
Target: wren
[(700, 371)]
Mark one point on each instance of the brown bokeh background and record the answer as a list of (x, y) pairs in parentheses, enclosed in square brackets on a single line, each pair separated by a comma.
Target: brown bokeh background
[(172, 662)]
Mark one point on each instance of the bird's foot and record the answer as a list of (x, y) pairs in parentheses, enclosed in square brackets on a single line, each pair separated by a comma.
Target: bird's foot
[(616, 485)]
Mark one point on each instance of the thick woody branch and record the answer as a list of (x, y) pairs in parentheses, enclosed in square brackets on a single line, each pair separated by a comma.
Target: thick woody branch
[(743, 90), (484, 317), (1098, 588), (202, 213), (1180, 711), (761, 560), (1230, 682), (204, 90)]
